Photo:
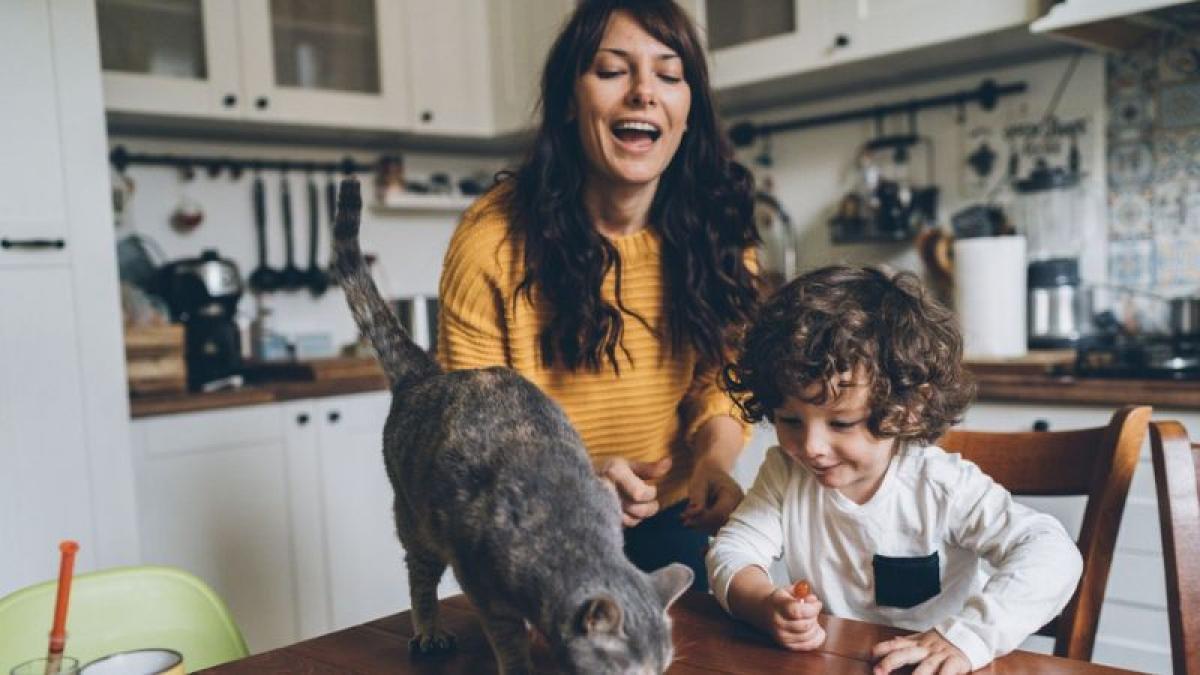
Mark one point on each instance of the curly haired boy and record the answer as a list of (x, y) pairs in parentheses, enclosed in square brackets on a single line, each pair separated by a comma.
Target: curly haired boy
[(861, 372)]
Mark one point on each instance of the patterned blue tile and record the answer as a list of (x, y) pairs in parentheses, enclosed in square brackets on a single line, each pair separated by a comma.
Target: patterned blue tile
[(1179, 58), (1166, 210), (1129, 214), (1179, 105), (1177, 262), (1130, 165), (1131, 262), (1190, 204)]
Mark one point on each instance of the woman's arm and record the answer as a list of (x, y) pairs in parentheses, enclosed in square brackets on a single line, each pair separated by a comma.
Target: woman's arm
[(713, 494)]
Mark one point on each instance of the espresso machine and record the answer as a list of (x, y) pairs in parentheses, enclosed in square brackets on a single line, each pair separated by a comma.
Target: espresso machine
[(203, 293)]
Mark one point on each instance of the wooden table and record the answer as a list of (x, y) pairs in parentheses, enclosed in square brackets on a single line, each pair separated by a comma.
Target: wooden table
[(707, 641)]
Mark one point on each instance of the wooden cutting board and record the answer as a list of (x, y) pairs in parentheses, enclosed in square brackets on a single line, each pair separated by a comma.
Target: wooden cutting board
[(311, 370)]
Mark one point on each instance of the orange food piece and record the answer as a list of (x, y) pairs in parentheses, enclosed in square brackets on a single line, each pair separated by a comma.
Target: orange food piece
[(801, 589)]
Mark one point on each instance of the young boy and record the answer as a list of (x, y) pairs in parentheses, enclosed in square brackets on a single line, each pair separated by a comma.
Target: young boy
[(861, 372)]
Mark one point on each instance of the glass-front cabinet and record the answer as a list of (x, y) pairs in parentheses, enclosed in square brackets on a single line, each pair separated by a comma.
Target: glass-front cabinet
[(756, 40), (170, 56), (324, 61), (300, 61)]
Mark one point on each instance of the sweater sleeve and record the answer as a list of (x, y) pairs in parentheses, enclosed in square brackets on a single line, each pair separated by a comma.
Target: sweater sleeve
[(754, 534), (471, 332), (1037, 567)]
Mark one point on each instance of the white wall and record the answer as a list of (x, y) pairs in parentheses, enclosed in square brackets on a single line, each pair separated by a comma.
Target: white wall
[(410, 246), (813, 167)]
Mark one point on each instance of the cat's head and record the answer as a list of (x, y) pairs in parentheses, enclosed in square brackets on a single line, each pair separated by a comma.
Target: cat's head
[(625, 630)]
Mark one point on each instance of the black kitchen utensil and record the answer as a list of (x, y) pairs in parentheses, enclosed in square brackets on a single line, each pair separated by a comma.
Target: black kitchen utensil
[(263, 279), (331, 206), (292, 277), (314, 276)]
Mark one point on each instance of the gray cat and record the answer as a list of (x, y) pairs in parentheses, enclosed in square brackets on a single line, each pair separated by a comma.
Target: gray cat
[(491, 479)]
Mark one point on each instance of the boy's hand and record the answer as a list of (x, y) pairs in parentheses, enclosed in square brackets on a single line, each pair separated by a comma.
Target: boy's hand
[(931, 653), (792, 622)]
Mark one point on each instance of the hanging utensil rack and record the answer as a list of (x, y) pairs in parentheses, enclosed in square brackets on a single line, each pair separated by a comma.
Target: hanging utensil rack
[(121, 158), (986, 94)]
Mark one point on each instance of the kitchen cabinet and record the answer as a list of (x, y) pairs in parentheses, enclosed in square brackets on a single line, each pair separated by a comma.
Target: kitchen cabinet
[(283, 61), (283, 508), (769, 50), (64, 432), (1133, 631), (460, 68)]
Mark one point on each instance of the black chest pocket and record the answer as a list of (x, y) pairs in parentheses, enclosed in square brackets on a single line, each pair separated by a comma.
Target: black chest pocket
[(906, 582)]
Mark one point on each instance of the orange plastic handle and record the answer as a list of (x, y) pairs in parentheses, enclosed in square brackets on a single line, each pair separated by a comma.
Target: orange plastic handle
[(66, 568)]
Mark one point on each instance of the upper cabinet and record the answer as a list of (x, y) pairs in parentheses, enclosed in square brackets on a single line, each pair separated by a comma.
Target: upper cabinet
[(464, 68), (764, 51), (293, 61)]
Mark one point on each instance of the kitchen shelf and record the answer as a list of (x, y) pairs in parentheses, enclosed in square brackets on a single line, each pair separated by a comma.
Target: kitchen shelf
[(420, 202)]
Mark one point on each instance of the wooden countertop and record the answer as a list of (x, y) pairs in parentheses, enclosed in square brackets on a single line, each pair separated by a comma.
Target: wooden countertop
[(148, 406), (1029, 380)]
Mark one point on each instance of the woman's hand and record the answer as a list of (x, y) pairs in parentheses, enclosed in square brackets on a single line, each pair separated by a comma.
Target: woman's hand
[(639, 499), (791, 621), (712, 495), (931, 653)]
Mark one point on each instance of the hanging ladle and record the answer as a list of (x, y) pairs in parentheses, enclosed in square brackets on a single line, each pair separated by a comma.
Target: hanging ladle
[(263, 279), (292, 276), (314, 276)]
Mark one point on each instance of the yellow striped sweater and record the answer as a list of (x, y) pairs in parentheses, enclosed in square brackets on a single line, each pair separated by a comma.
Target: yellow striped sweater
[(647, 412)]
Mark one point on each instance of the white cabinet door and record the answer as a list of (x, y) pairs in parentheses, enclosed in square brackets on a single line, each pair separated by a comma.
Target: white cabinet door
[(332, 62), (214, 500), (867, 28), (448, 56), (367, 575), (797, 40), (32, 197), (171, 57), (44, 487), (522, 32), (306, 515)]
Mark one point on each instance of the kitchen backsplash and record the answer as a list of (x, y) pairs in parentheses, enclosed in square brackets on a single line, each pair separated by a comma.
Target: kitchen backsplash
[(811, 169), (409, 244), (1154, 167)]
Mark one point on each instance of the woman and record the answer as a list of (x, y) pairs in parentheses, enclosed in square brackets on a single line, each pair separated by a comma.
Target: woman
[(609, 267)]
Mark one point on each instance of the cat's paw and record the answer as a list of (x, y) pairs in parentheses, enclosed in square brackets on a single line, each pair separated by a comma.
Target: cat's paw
[(431, 644)]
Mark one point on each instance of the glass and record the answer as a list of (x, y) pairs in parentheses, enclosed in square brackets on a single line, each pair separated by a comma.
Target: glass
[(152, 37), (733, 23), (1051, 220), (67, 666), (325, 45)]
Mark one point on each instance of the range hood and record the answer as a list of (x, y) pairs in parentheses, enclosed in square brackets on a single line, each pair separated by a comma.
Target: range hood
[(1116, 25)]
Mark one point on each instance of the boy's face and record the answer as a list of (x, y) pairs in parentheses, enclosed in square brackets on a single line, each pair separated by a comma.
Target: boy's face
[(833, 442)]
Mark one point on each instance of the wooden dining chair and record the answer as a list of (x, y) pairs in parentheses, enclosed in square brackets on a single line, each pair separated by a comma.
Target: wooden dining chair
[(1176, 473), (1097, 463)]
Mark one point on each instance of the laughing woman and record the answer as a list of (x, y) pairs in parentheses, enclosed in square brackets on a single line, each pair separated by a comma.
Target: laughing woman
[(611, 265)]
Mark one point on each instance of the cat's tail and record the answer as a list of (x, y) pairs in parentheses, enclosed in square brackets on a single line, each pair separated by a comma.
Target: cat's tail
[(403, 360)]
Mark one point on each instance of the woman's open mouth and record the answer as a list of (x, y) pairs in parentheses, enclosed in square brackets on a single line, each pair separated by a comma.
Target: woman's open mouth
[(636, 135)]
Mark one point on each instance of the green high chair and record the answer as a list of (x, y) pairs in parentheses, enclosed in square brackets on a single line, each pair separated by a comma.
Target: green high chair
[(120, 609)]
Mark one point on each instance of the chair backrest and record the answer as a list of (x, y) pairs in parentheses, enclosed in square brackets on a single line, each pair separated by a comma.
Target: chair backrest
[(121, 609), (1097, 463), (1176, 473)]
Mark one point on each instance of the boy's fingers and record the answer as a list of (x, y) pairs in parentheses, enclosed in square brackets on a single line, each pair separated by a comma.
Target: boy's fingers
[(888, 646), (901, 657), (931, 665)]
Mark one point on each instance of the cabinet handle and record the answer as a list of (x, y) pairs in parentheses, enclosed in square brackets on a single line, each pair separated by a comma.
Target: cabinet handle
[(426, 116), (261, 103), (334, 416), (842, 40), (33, 244), (302, 419), (230, 100), (1041, 425)]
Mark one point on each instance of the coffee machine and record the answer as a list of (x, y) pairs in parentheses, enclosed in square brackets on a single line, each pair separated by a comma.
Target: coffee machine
[(203, 293)]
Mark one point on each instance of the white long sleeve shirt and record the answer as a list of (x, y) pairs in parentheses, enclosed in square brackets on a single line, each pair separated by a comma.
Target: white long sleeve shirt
[(929, 502)]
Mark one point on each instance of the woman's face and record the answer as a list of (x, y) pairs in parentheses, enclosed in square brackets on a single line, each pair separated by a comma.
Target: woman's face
[(631, 105)]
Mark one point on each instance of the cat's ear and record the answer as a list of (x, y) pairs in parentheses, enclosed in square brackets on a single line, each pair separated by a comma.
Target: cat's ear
[(600, 615), (671, 581)]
